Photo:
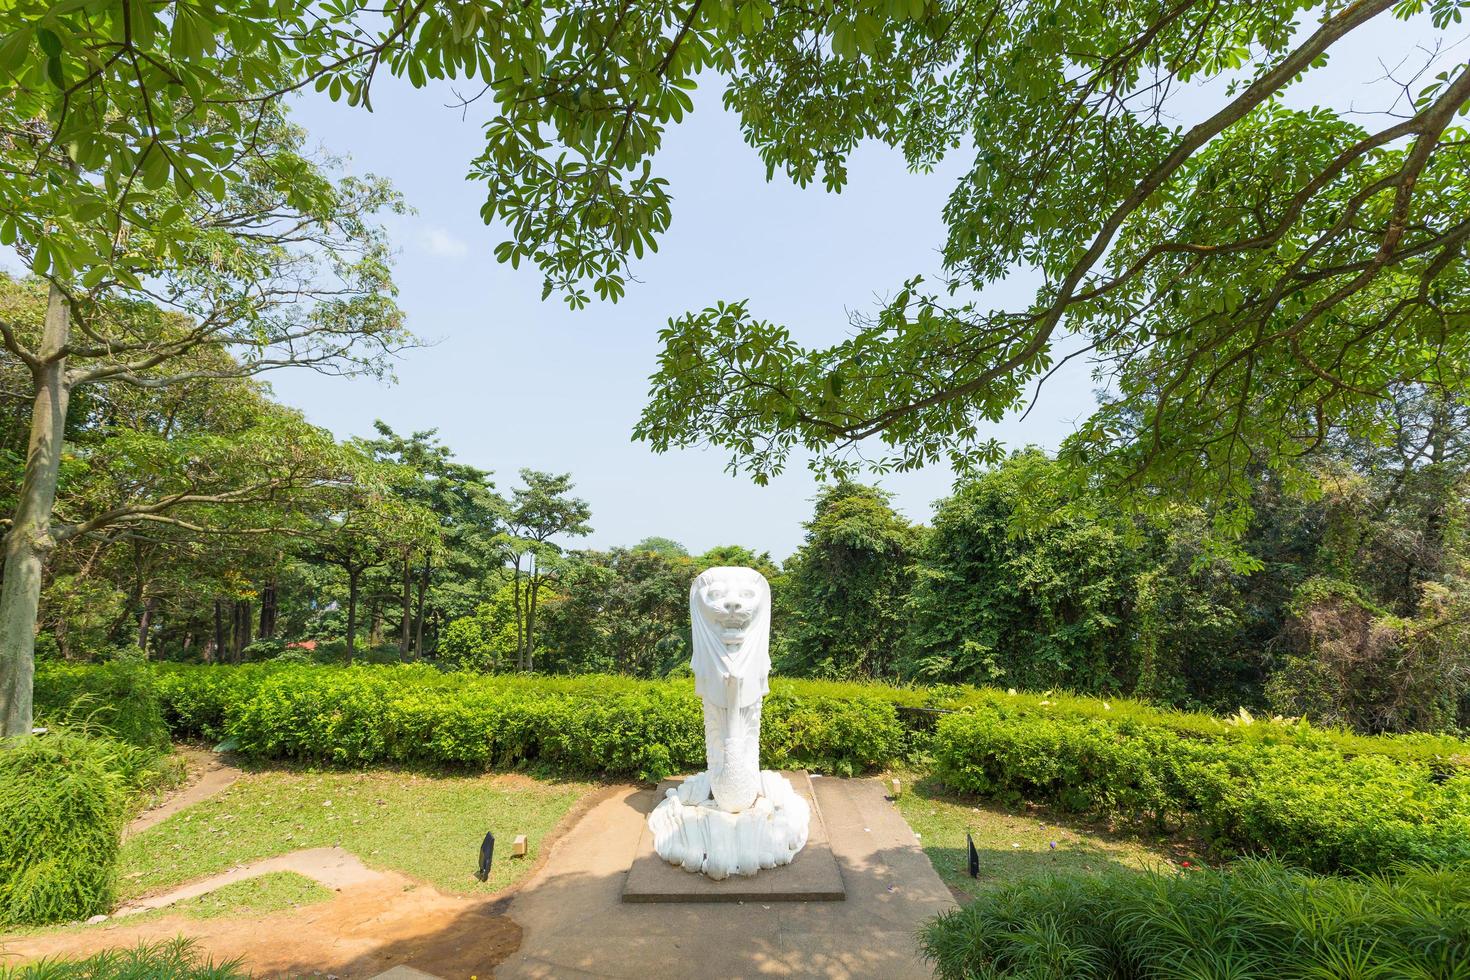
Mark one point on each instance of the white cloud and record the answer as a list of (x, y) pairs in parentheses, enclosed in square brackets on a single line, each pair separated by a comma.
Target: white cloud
[(443, 243)]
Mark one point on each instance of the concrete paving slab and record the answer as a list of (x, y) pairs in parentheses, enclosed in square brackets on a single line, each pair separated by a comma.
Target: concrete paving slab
[(575, 925), (404, 973), (811, 876)]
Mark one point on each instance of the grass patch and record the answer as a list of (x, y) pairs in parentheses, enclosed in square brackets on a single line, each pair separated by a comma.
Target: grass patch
[(1017, 843), (426, 826), (177, 959), (255, 896)]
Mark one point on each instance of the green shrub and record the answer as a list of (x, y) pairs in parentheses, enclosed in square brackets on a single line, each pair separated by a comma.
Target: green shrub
[(1305, 803), (62, 801), (262, 650), (1257, 919), (176, 959), (416, 714), (121, 697)]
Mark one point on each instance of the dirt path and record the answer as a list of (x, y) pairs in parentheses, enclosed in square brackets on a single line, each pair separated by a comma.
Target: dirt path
[(377, 920), (209, 774), (368, 927)]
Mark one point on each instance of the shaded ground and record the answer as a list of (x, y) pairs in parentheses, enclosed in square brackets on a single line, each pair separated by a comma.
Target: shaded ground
[(363, 930), (575, 926), (1013, 843)]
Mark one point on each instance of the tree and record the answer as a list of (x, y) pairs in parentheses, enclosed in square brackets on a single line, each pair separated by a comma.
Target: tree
[(367, 524), (622, 611), (996, 601), (539, 511), (469, 514), (285, 267), (1250, 282), (667, 547), (847, 586), (1254, 279)]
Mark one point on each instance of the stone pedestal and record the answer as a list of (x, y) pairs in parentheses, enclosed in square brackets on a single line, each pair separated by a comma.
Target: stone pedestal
[(810, 874)]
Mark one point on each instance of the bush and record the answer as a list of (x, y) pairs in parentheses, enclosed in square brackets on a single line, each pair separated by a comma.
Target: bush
[(262, 650), (176, 959), (416, 714), (1257, 919), (1297, 799), (62, 801), (120, 697)]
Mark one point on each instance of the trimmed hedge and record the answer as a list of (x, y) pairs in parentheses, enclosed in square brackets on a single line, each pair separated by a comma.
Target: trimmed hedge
[(1323, 799), (120, 697), (1308, 805), (415, 714), (1258, 919)]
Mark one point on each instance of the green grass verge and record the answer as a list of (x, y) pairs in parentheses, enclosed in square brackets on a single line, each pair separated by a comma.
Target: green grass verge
[(261, 895), (429, 827), (1016, 843), (175, 959)]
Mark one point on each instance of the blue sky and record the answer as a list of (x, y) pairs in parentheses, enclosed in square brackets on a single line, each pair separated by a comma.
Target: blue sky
[(512, 381)]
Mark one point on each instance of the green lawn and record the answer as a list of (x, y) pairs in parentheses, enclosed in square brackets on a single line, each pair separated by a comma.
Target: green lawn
[(1016, 843), (429, 827), (260, 895)]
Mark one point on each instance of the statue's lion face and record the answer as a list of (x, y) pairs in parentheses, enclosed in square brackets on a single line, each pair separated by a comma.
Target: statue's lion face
[(730, 598)]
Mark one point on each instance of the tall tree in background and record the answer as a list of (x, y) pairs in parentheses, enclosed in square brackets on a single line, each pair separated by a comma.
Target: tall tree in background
[(540, 510), (470, 515), (999, 602), (367, 523), (287, 268), (847, 586)]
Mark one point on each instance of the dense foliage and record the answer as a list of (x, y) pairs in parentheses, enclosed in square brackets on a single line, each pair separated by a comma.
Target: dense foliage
[(1320, 798), (62, 802), (847, 587), (1255, 919), (1290, 792)]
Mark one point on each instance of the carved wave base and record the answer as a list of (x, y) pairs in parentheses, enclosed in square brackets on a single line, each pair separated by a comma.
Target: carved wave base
[(691, 831)]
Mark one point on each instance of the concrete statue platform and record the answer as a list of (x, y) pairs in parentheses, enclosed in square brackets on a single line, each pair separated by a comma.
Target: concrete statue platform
[(812, 876)]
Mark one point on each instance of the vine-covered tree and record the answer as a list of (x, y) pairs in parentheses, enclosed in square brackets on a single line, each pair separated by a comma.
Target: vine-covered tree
[(847, 586)]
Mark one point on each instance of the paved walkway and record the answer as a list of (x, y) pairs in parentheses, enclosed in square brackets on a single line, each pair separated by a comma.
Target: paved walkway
[(573, 924)]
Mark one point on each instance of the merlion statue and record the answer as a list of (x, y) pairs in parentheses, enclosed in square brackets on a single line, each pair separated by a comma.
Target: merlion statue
[(732, 818)]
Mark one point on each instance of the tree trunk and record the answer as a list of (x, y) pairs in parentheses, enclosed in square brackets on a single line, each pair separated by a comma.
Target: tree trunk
[(534, 585), (219, 630), (353, 576), (520, 621), (375, 621), (241, 628), (29, 543), (405, 621), (268, 610), (145, 623), (418, 620)]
